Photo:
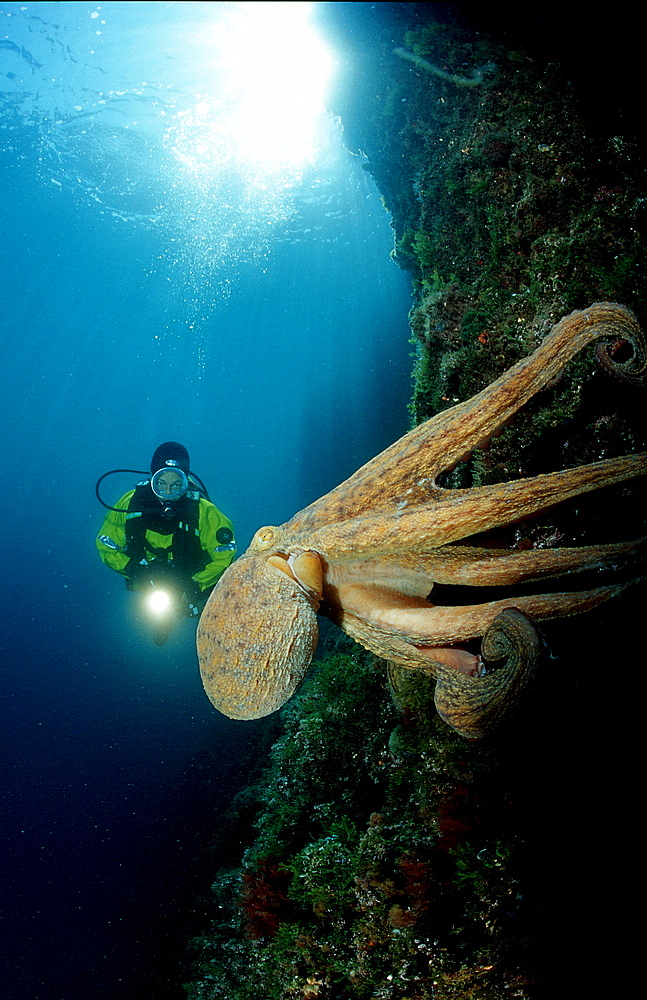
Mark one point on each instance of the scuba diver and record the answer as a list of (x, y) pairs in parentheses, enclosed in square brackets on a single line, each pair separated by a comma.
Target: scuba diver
[(167, 539)]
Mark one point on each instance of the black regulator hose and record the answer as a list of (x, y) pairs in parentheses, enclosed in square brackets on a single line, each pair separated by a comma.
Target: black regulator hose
[(138, 472), (134, 472)]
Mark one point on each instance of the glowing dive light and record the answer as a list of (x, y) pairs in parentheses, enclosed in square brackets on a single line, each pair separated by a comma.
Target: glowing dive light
[(159, 602)]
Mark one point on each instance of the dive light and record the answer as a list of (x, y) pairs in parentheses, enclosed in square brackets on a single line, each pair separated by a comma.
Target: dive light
[(159, 602)]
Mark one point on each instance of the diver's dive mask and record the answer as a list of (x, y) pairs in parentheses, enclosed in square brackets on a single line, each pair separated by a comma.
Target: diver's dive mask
[(169, 483)]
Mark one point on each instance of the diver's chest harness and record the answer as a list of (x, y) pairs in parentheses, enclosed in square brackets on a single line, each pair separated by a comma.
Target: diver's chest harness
[(146, 512)]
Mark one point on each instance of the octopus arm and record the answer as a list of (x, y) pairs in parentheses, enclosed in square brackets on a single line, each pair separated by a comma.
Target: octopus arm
[(406, 470), (467, 512), (407, 631), (414, 574), (481, 567), (474, 706)]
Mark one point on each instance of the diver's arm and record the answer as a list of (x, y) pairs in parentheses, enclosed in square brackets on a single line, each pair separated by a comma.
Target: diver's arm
[(217, 540), (111, 540)]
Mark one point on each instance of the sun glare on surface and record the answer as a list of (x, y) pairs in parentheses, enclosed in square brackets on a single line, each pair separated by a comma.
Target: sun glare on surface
[(265, 73)]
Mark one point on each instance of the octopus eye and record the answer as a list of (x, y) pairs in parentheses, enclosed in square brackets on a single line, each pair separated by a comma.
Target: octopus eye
[(263, 539)]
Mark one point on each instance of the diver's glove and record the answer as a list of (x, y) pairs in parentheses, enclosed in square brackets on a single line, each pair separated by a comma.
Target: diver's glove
[(194, 597), (137, 575), (192, 592), (165, 575)]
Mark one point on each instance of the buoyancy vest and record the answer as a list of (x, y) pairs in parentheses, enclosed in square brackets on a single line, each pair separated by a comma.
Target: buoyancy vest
[(145, 514)]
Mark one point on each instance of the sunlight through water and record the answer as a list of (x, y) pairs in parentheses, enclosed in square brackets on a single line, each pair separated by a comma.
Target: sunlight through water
[(270, 72), (210, 119)]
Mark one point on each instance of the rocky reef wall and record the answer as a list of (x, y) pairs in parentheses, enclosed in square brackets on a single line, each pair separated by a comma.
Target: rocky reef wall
[(388, 857)]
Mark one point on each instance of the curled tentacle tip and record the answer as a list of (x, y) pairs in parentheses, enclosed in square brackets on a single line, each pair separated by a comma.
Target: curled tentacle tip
[(475, 706), (624, 359), (623, 352)]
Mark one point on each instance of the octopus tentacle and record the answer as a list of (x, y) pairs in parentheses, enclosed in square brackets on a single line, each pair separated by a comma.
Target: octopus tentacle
[(413, 573), (406, 470), (633, 369), (407, 630), (470, 511), (482, 567), (474, 706)]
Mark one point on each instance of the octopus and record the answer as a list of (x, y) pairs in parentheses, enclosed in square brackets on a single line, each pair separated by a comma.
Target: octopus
[(369, 553)]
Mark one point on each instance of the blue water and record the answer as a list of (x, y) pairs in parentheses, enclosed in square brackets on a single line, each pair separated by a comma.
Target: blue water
[(254, 316)]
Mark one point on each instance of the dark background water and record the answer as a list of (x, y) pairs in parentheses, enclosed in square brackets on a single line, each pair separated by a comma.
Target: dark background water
[(265, 329)]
